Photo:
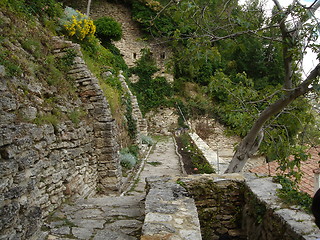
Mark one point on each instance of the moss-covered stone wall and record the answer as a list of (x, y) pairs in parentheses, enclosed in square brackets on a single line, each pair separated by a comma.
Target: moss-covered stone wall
[(219, 203), (229, 206)]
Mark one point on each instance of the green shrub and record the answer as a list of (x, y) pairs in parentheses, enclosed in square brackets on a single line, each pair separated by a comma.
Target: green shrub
[(147, 140), (290, 194), (66, 61), (151, 92), (127, 160), (108, 29), (151, 22)]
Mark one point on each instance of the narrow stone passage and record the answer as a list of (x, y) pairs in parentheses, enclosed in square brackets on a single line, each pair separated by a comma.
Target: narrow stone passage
[(113, 217)]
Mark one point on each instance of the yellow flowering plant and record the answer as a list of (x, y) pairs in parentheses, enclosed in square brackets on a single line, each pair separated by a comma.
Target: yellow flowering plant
[(76, 25)]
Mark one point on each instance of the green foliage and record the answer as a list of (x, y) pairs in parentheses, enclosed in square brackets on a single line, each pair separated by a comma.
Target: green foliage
[(146, 15), (108, 29), (127, 160), (117, 60), (129, 156), (199, 162), (43, 9), (76, 115), (233, 109), (151, 92), (290, 194), (104, 54), (196, 60), (66, 61), (260, 60), (10, 62), (48, 118), (147, 140), (33, 46)]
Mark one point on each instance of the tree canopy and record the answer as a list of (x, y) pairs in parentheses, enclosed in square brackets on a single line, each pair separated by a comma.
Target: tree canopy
[(248, 63)]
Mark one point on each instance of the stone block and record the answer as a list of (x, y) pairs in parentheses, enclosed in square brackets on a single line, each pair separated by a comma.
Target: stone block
[(8, 152), (26, 159), (8, 214), (8, 102), (14, 192), (82, 233)]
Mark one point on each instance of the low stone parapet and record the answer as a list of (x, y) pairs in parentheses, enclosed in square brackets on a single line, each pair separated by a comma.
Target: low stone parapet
[(170, 212), (210, 155), (229, 206)]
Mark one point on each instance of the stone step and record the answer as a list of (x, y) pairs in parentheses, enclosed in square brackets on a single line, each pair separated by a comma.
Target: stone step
[(107, 217)]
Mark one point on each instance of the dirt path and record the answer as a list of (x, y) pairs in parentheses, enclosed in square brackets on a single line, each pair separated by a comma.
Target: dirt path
[(113, 217)]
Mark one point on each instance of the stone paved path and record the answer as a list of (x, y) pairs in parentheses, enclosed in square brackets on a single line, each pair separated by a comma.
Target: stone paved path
[(113, 217)]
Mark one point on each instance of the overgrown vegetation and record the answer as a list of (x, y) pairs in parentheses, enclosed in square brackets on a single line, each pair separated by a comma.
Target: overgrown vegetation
[(233, 78), (129, 157), (191, 154), (290, 194), (152, 92), (108, 29)]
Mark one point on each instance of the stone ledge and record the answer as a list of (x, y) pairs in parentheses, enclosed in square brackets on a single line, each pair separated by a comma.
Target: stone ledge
[(170, 212)]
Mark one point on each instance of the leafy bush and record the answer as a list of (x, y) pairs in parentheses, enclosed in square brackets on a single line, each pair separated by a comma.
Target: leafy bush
[(146, 15), (76, 25), (108, 29), (290, 194), (127, 160), (147, 140), (151, 92)]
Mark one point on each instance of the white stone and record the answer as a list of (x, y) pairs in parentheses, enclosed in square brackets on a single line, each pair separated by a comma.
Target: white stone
[(157, 217)]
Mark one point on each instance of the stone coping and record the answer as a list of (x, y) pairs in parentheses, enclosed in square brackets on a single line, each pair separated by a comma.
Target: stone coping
[(170, 212), (212, 157)]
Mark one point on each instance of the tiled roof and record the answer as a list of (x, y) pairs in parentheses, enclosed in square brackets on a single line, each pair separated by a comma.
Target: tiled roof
[(307, 167)]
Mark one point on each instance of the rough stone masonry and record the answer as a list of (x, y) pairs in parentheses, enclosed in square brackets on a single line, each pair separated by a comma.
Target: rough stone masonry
[(41, 165)]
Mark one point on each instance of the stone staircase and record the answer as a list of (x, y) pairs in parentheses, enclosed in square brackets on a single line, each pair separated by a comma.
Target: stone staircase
[(99, 218), (112, 217)]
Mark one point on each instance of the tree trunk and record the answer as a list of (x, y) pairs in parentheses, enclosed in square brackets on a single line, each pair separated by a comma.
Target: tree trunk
[(250, 144), (88, 7)]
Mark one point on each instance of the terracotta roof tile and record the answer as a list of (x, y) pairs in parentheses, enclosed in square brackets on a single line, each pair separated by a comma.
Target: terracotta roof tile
[(307, 167)]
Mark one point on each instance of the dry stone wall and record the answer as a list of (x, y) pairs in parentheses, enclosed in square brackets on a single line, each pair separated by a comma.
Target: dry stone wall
[(142, 126), (104, 126), (41, 165), (229, 206)]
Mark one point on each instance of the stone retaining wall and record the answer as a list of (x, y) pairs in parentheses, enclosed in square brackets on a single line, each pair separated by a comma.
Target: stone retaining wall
[(219, 202), (41, 165), (229, 207)]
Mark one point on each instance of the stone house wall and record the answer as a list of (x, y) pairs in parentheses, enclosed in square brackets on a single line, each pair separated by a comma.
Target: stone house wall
[(42, 165)]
